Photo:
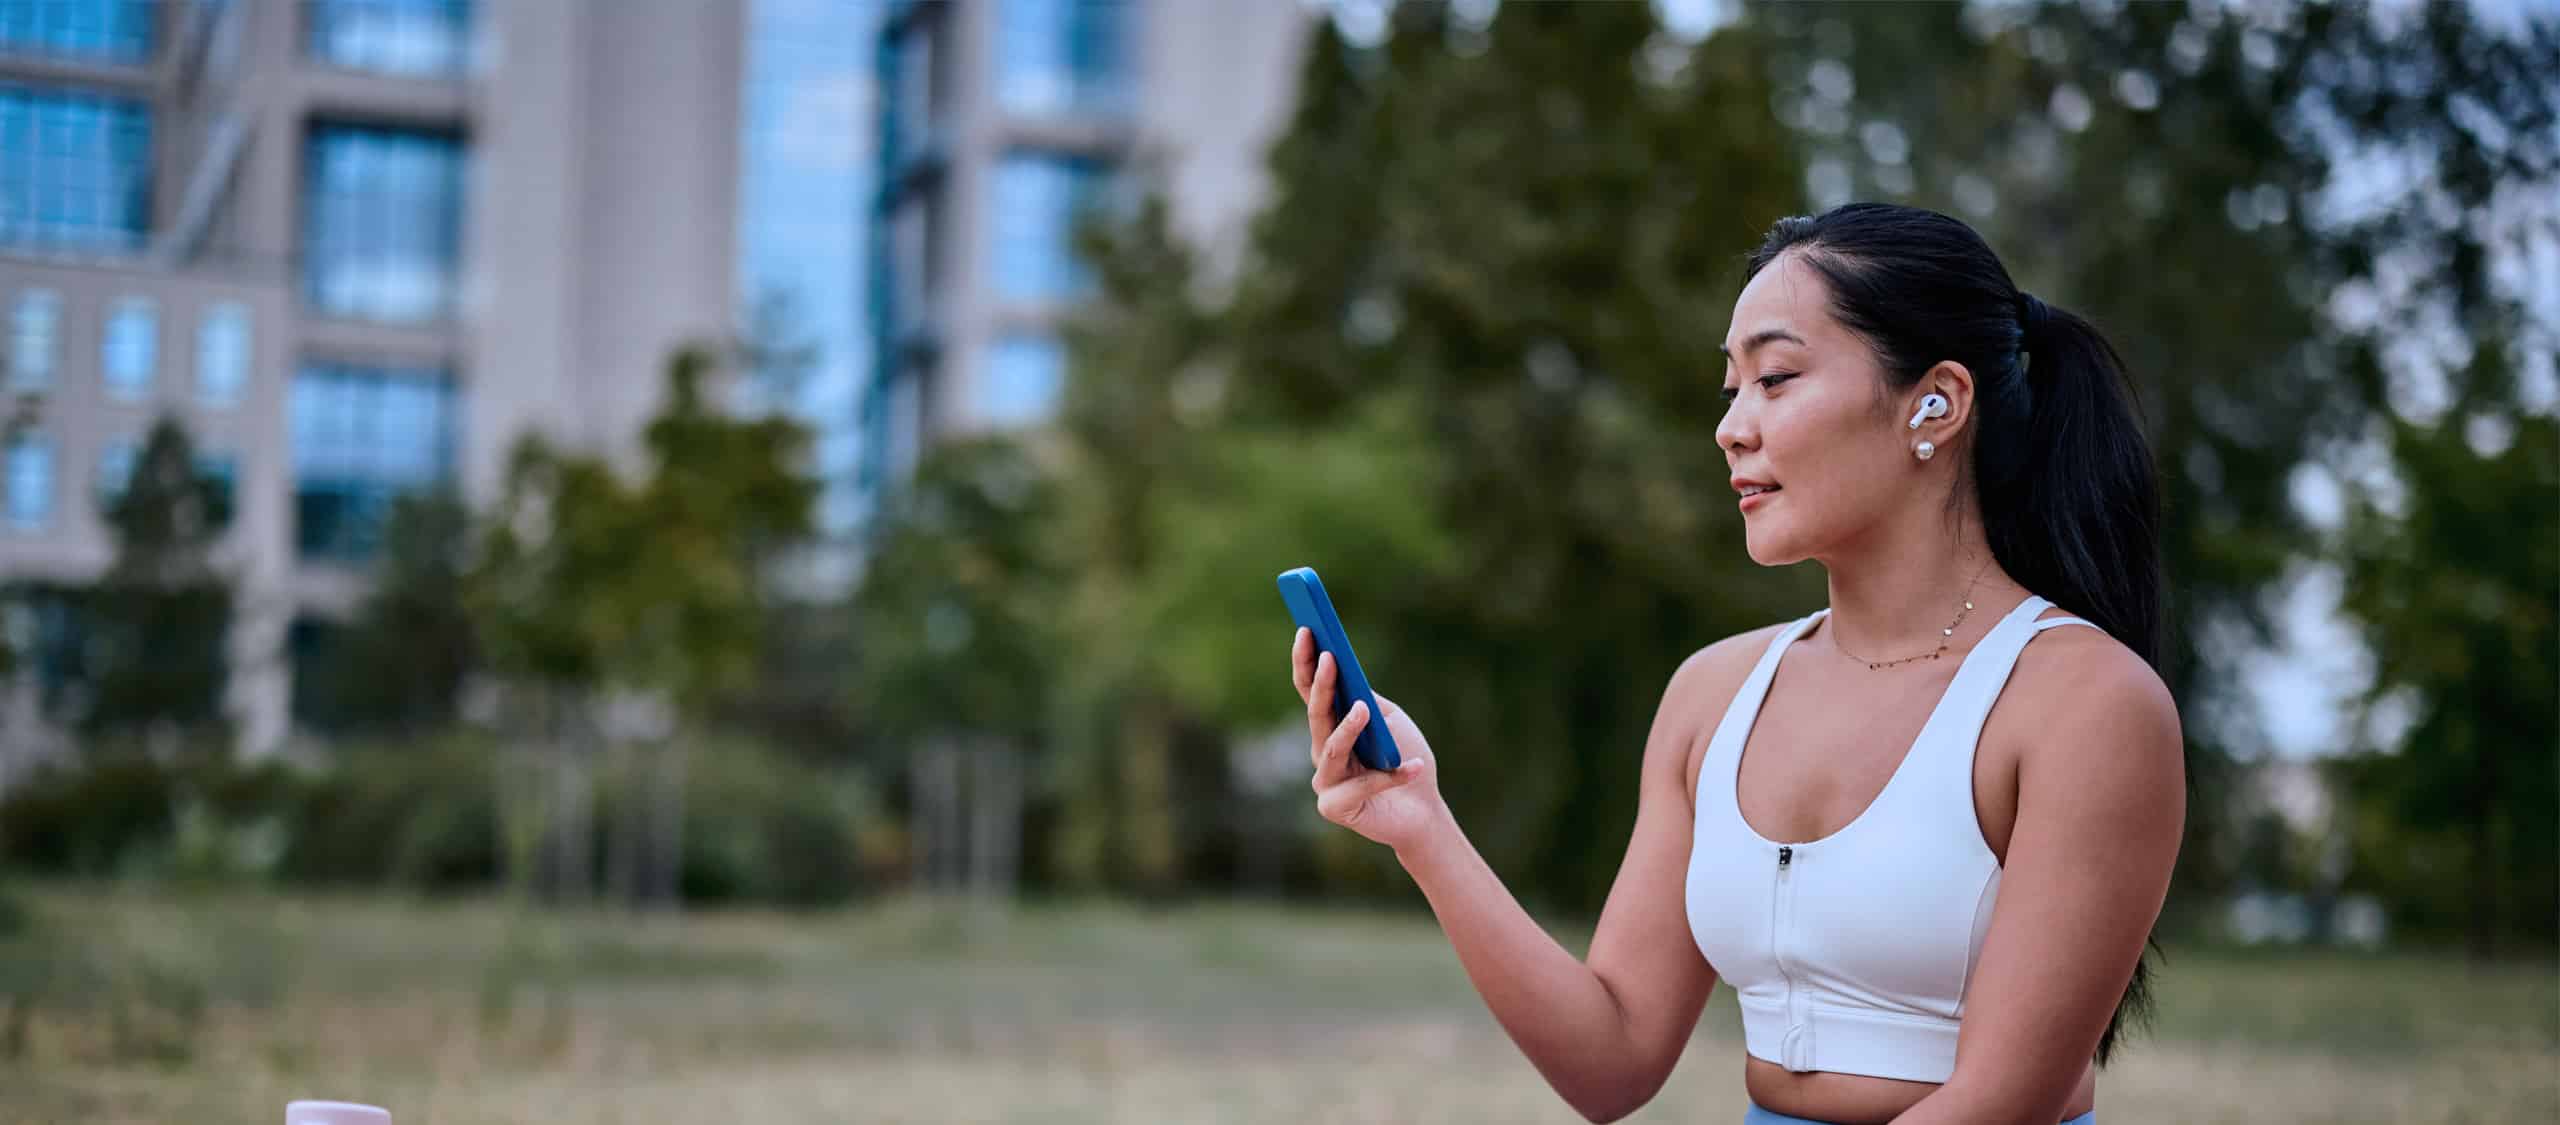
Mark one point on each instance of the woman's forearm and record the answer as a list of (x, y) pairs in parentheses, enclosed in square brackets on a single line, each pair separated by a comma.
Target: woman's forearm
[(1559, 1012), (1959, 1104)]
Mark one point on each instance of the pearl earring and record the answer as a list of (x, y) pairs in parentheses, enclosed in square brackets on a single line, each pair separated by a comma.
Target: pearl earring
[(1931, 406), (1925, 450)]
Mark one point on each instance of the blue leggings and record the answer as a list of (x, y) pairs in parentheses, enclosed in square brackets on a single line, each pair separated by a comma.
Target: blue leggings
[(1759, 1116)]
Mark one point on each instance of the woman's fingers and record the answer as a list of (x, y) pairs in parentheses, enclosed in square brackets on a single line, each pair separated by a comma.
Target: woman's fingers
[(1302, 668), (1333, 758), (1320, 697)]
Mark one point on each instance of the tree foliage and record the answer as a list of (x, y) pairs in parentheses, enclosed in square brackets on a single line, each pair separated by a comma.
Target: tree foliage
[(1465, 367), (156, 660)]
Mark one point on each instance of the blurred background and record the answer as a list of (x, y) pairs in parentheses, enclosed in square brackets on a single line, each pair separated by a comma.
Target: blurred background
[(628, 560)]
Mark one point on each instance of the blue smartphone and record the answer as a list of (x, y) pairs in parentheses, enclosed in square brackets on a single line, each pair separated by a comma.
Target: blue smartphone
[(1300, 588)]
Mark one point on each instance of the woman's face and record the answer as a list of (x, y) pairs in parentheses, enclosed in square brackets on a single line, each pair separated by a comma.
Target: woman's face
[(1807, 413)]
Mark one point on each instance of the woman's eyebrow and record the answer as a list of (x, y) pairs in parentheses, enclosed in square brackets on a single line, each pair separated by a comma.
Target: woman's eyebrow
[(1763, 336)]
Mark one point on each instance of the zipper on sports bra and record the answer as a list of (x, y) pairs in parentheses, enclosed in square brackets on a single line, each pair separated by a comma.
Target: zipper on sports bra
[(1779, 903)]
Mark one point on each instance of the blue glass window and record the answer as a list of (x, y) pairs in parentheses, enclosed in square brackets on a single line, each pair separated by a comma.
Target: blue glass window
[(115, 467), (381, 222), (130, 350), (412, 38), (915, 246), (1063, 56), (362, 437), (113, 30), (1023, 376), (1038, 198), (222, 353), (35, 334), (75, 171), (222, 471), (29, 488), (915, 106)]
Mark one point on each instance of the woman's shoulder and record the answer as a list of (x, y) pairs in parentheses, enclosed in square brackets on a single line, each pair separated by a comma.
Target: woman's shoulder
[(2075, 680), (1701, 690), (1714, 673)]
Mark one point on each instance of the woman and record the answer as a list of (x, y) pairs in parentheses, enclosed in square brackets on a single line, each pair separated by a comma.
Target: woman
[(1923, 833)]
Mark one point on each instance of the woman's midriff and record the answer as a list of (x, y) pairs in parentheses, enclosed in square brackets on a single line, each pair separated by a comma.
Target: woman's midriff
[(1853, 1099)]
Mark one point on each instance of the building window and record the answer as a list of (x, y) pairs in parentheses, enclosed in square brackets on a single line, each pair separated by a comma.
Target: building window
[(409, 38), (381, 222), (1063, 56), (221, 473), (916, 107), (1038, 198), (222, 353), (362, 437), (111, 30), (29, 464), (1022, 379), (130, 351), (35, 329), (115, 468), (915, 241), (75, 171), (47, 630)]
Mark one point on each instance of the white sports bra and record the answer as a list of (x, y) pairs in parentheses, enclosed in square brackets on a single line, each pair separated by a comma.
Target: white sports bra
[(1851, 953)]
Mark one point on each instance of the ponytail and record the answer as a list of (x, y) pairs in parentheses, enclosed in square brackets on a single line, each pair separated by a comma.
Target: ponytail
[(2070, 499), (2069, 496), (2074, 514)]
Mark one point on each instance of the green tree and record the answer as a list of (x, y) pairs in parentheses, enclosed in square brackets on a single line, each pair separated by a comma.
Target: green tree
[(1554, 225), (2453, 584), (557, 534), (2448, 549), (724, 499), (623, 614), (957, 615), (400, 665), (159, 619), (1121, 444)]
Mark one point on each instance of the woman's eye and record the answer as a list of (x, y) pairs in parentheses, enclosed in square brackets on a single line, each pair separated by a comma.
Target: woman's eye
[(1768, 382)]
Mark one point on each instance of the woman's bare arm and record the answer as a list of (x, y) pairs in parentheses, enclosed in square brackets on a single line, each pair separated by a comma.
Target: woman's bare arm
[(2101, 805), (1604, 1032)]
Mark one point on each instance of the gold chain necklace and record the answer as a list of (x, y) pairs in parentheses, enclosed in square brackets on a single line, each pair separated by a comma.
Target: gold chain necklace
[(1946, 636)]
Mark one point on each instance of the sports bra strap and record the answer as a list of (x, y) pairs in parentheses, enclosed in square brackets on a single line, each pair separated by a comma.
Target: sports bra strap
[(2041, 626)]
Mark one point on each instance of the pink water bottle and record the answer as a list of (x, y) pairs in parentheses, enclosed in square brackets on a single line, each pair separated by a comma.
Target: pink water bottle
[(335, 1113)]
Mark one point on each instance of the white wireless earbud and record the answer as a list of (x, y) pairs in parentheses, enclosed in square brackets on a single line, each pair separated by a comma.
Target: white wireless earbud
[(1931, 406)]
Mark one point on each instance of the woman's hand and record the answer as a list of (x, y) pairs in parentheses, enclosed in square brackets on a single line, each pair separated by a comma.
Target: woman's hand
[(1397, 807)]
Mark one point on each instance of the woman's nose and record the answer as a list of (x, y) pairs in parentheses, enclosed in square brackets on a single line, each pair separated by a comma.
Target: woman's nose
[(1736, 431)]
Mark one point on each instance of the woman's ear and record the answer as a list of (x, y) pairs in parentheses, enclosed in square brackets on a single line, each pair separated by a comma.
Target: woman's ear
[(1948, 380)]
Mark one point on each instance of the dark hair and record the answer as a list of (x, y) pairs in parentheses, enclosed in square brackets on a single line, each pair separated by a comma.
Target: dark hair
[(2069, 496)]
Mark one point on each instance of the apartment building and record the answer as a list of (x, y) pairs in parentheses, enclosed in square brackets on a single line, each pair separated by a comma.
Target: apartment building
[(359, 247), (1000, 122), (356, 247)]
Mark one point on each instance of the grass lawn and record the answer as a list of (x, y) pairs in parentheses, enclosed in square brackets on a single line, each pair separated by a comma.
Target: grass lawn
[(132, 1006)]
